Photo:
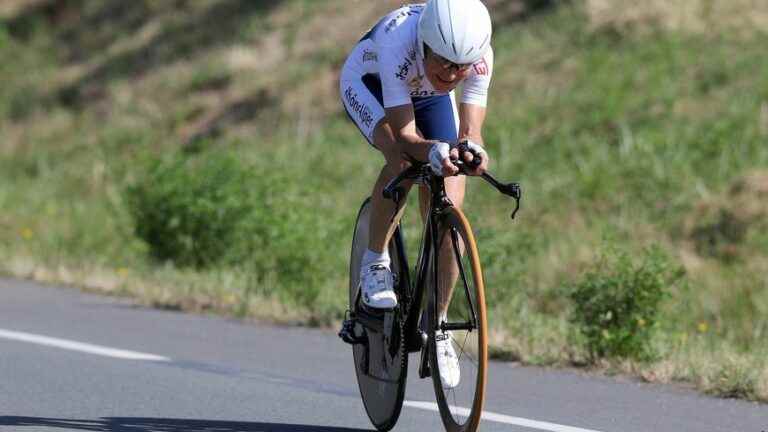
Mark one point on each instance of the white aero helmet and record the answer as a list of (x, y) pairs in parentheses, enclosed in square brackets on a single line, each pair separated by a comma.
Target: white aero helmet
[(456, 30)]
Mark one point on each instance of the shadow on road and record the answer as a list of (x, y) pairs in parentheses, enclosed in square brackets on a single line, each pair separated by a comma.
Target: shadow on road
[(139, 424)]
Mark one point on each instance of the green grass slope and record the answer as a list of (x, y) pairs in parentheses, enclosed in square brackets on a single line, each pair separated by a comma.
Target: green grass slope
[(627, 130)]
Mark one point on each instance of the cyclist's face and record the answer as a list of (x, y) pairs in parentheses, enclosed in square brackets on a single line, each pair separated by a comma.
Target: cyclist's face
[(443, 74)]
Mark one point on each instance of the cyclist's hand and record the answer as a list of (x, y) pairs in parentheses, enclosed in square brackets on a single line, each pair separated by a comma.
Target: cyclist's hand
[(440, 159), (469, 156)]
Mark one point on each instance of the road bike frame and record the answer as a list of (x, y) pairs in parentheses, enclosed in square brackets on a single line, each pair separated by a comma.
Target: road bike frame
[(383, 339), (410, 295)]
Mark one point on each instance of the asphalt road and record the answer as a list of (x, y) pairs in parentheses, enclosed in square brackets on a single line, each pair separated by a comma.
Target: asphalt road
[(79, 362)]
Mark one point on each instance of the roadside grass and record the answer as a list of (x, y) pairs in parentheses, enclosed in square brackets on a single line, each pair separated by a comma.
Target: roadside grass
[(619, 138)]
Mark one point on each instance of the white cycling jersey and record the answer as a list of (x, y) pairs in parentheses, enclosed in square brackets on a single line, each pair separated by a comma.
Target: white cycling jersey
[(390, 51)]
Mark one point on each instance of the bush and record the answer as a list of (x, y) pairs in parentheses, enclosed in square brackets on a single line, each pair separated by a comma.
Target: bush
[(616, 304), (4, 37), (212, 209), (189, 210)]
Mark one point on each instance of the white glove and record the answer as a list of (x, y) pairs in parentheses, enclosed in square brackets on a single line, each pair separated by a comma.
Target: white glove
[(477, 149), (437, 153)]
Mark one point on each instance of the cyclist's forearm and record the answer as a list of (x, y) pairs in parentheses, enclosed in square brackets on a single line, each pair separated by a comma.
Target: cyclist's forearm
[(402, 120), (415, 146), (471, 119)]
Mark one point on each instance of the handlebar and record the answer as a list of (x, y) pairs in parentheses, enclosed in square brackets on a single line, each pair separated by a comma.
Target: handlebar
[(509, 189), (422, 170), (477, 158)]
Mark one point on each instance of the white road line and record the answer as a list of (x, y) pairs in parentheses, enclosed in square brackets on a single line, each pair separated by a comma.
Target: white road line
[(501, 418), (133, 355), (80, 346)]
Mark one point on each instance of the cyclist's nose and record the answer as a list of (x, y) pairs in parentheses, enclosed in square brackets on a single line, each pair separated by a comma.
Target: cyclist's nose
[(449, 76)]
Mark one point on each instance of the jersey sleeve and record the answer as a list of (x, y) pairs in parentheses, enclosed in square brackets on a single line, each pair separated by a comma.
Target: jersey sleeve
[(477, 84), (393, 70)]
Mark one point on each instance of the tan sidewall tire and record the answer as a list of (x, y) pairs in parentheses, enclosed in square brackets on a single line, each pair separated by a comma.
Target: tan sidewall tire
[(455, 217)]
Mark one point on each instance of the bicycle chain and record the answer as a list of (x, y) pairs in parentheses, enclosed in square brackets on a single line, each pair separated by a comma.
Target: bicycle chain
[(403, 353)]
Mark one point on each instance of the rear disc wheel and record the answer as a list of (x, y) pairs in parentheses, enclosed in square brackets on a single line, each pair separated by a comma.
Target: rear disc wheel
[(381, 364)]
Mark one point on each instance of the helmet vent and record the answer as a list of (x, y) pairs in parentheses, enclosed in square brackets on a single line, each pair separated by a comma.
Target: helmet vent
[(485, 41), (453, 32), (458, 30), (439, 27)]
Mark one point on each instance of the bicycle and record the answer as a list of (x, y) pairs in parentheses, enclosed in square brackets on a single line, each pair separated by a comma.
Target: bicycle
[(382, 339)]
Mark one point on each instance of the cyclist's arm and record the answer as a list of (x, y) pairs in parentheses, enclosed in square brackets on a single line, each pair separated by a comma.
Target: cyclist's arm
[(471, 119), (403, 122), (474, 99)]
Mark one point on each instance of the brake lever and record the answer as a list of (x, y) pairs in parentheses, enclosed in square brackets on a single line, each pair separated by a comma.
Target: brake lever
[(477, 158), (517, 201), (510, 189)]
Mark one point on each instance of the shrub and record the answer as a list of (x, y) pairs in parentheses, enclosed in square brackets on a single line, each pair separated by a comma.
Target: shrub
[(616, 304), (212, 209), (4, 38), (189, 210)]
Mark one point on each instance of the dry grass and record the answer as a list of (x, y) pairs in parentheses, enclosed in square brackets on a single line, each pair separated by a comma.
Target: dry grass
[(164, 288), (11, 8), (731, 375), (698, 16), (720, 225)]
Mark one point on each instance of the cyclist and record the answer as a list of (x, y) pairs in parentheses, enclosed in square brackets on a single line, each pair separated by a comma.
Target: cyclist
[(397, 85)]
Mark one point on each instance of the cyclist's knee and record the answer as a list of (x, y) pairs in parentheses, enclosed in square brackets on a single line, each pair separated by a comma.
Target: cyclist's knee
[(455, 187), (385, 142)]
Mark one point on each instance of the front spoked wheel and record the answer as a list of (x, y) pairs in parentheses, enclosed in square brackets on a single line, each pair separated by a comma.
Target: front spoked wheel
[(463, 326)]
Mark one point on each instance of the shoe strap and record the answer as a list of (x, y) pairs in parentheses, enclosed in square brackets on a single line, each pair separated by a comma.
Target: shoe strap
[(378, 284)]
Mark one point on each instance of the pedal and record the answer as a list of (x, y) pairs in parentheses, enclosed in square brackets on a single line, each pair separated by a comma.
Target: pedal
[(347, 332)]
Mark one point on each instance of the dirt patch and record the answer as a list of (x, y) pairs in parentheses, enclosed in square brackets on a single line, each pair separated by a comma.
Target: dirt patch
[(719, 227), (697, 16), (509, 11), (20, 15), (236, 111)]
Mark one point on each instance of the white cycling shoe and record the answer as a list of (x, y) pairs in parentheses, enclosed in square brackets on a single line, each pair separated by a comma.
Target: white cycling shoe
[(447, 361), (377, 286)]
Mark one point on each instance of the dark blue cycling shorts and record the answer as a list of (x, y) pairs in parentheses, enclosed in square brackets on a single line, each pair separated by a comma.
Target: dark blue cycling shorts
[(436, 116)]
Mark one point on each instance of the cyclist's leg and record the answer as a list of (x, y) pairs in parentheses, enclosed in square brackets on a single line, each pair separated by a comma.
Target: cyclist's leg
[(362, 98), (455, 188), (437, 118), (382, 226)]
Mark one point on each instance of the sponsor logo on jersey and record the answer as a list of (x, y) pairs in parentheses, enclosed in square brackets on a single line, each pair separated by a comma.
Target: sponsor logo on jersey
[(481, 67), (422, 93), (364, 113), (370, 56), (403, 69), (400, 17), (415, 85)]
